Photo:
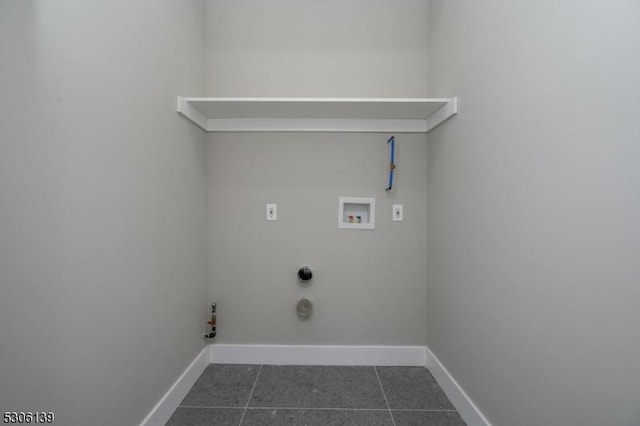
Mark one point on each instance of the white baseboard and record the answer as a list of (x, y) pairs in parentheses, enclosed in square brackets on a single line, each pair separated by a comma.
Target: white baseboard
[(171, 400), (318, 355), (458, 397)]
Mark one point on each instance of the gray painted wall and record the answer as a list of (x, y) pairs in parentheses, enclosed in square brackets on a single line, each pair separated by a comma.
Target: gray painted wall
[(534, 207), (102, 206), (369, 286), (330, 48)]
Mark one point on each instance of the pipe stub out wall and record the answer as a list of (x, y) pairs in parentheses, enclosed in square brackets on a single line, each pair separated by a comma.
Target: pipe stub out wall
[(304, 307), (305, 273)]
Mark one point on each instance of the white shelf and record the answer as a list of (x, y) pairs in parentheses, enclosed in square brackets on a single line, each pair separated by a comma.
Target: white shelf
[(382, 115)]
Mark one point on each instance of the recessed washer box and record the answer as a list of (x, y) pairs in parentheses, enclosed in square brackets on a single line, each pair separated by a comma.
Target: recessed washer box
[(356, 212)]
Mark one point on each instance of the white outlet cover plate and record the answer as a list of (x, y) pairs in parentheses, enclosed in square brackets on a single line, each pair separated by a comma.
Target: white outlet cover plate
[(272, 212), (397, 213)]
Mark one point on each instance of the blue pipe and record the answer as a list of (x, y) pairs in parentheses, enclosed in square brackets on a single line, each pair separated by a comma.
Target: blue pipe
[(392, 165)]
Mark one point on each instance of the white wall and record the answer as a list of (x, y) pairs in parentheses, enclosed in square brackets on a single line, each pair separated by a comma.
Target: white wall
[(534, 207), (102, 206), (369, 286)]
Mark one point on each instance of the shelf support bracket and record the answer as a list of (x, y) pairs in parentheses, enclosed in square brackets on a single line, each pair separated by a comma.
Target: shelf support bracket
[(443, 113)]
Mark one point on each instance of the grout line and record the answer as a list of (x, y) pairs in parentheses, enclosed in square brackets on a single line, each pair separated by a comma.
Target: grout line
[(318, 409), (224, 407), (419, 411), (384, 395), (215, 407), (250, 395)]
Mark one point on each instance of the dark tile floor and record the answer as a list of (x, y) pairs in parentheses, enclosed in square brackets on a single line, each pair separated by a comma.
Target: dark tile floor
[(309, 395)]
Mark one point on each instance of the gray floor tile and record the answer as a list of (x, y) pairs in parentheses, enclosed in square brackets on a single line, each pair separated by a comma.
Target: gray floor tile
[(317, 387), (427, 418), (206, 416), (222, 385), (412, 388), (311, 417)]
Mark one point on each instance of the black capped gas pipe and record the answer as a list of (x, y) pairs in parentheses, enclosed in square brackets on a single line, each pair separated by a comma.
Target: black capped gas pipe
[(305, 273)]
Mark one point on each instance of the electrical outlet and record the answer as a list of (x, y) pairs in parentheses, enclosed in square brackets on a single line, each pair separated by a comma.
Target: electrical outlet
[(272, 212), (397, 213)]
